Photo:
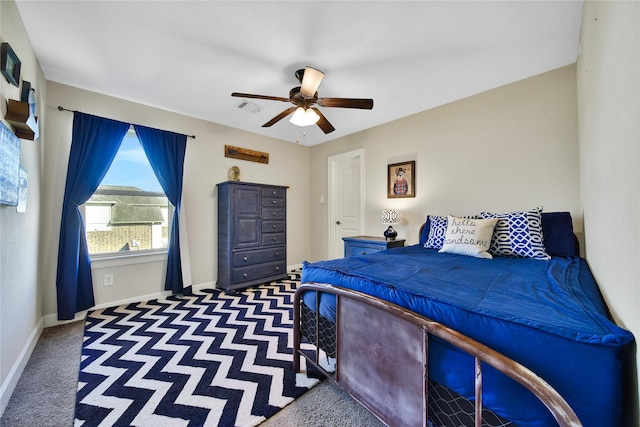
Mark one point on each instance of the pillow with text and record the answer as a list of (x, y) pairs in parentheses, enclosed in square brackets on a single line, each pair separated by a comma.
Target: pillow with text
[(468, 236)]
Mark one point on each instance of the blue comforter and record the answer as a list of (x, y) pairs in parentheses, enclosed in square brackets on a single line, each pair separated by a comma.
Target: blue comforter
[(547, 315)]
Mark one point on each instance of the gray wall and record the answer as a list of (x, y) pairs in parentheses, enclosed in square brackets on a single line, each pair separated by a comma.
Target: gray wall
[(21, 295), (608, 75)]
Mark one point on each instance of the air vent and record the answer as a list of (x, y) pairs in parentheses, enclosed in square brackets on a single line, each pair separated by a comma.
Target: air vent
[(249, 107)]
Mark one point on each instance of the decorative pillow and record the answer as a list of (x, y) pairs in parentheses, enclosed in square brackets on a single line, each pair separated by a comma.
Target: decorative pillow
[(557, 230), (468, 236), (518, 234), (437, 229), (424, 231)]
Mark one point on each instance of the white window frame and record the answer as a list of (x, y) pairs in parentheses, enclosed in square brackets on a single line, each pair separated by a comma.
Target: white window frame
[(116, 259)]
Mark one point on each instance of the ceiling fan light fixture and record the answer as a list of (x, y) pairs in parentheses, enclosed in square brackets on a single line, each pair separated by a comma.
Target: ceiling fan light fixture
[(311, 81), (303, 98), (303, 117)]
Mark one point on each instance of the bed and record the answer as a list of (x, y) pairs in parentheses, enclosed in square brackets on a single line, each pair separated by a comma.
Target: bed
[(424, 336)]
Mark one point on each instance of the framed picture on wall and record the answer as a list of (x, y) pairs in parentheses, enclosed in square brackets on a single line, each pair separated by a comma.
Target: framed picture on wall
[(401, 180), (10, 64), (9, 166)]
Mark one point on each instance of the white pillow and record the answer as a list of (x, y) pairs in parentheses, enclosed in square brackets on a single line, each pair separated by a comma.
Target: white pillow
[(468, 236)]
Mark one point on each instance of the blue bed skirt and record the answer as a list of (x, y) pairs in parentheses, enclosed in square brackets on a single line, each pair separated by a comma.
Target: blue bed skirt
[(547, 315)]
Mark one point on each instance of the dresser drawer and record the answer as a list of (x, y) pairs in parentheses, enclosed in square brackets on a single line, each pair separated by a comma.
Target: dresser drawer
[(273, 226), (274, 239), (279, 192), (363, 245), (273, 213), (273, 202), (355, 250), (241, 259), (259, 271)]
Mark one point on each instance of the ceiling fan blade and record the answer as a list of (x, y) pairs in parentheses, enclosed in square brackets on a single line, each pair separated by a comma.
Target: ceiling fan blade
[(323, 123), (249, 95), (279, 117), (365, 104), (310, 81)]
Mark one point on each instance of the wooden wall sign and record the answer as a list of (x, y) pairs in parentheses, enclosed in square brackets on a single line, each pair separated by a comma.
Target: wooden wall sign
[(245, 154)]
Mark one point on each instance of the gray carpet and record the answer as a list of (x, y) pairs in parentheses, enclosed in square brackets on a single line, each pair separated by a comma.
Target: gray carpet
[(46, 393)]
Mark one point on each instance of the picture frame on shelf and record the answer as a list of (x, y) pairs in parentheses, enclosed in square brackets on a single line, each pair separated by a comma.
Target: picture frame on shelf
[(401, 180), (10, 64), (26, 89)]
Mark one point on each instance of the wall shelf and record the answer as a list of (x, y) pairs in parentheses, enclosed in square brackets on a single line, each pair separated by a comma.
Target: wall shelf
[(18, 116)]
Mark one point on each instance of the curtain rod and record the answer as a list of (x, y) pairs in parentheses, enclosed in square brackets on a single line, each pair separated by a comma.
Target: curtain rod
[(61, 108)]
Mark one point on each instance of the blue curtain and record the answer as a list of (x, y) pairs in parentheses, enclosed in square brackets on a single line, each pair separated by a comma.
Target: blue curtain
[(95, 142), (165, 151)]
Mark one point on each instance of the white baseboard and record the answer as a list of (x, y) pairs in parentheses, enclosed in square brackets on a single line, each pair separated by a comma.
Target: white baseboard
[(212, 285), (294, 267), (206, 285), (9, 385), (52, 319)]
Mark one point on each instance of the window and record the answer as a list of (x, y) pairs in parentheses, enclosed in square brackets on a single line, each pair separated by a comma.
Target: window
[(129, 211)]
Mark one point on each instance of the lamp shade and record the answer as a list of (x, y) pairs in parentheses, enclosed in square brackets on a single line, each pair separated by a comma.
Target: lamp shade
[(303, 117), (389, 217), (310, 81)]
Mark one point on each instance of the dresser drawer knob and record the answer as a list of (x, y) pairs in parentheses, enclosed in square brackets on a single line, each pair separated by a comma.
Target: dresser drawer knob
[(274, 214), (274, 226), (245, 275), (245, 258), (277, 268), (275, 201), (277, 254)]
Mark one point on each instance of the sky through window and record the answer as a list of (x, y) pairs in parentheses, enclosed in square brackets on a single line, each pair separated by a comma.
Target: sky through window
[(131, 167)]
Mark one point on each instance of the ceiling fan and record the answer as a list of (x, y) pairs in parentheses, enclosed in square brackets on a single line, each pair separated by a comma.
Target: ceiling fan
[(304, 97)]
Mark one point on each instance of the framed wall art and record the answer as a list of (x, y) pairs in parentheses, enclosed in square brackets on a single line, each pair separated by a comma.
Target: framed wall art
[(23, 184), (10, 64), (9, 166), (401, 180)]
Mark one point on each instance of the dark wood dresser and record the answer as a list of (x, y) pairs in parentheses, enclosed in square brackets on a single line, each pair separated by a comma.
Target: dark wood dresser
[(252, 234)]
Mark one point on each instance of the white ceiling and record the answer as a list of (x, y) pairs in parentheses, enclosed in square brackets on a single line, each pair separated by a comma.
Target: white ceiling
[(189, 56)]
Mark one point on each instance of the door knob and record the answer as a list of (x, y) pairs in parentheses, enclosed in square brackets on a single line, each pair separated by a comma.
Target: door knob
[(338, 222)]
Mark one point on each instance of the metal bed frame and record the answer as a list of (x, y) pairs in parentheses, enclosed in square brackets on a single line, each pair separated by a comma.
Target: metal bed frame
[(383, 362)]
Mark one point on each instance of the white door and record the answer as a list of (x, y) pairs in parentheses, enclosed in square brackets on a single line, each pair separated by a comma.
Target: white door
[(346, 199)]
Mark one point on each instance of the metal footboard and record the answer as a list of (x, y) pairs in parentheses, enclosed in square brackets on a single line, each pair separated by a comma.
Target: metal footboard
[(384, 364)]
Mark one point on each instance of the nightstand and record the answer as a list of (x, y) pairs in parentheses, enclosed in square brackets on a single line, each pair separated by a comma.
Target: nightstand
[(362, 245)]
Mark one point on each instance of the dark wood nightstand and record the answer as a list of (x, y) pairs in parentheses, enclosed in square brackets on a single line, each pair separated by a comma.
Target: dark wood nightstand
[(362, 245)]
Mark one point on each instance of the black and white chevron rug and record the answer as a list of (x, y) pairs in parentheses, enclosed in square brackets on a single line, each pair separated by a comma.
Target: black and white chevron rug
[(210, 359)]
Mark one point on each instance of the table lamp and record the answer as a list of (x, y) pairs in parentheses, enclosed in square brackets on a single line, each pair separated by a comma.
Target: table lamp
[(390, 217)]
